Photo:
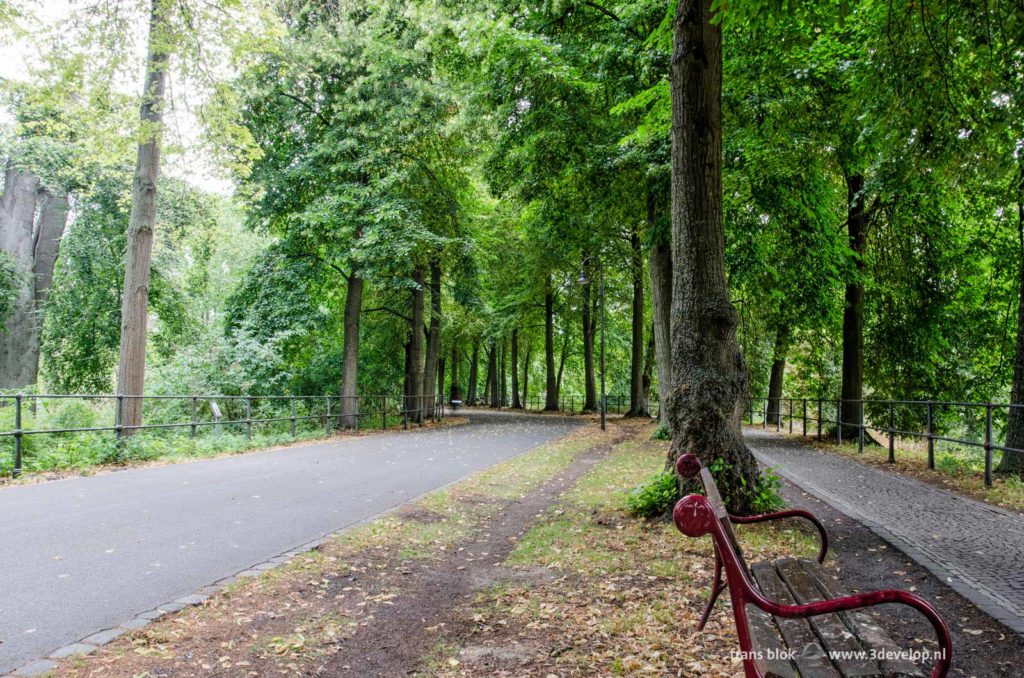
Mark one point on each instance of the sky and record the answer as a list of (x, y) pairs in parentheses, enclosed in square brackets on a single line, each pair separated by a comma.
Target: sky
[(192, 164)]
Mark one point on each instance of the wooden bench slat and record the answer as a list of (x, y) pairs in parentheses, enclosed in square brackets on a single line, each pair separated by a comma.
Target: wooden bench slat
[(769, 645), (843, 646), (863, 625), (810, 657)]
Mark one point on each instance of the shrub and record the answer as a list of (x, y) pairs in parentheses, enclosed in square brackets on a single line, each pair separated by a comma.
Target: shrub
[(767, 497), (661, 433), (655, 497)]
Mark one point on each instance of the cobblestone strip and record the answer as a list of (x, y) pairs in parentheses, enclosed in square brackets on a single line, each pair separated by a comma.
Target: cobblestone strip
[(975, 548)]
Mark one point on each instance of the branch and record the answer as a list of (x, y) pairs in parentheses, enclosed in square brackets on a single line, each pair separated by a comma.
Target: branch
[(302, 102), (388, 310)]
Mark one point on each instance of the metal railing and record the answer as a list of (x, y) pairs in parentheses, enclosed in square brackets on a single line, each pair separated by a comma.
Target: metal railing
[(204, 412), (963, 424), (569, 403)]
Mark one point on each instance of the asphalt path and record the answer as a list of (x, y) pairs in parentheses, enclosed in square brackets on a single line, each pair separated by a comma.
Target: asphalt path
[(81, 555)]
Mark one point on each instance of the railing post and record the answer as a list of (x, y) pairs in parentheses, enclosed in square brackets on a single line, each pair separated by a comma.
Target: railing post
[(892, 426), (860, 429), (193, 426), (16, 471), (819, 418), (248, 417), (291, 399), (930, 435), (988, 444), (383, 413), (805, 417), (118, 407), (327, 416), (790, 415), (405, 412), (764, 416), (839, 421)]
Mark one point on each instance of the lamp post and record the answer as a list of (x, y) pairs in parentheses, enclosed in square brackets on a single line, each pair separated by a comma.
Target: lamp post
[(584, 281)]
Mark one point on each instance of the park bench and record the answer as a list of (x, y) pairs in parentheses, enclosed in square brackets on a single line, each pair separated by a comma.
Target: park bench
[(790, 622)]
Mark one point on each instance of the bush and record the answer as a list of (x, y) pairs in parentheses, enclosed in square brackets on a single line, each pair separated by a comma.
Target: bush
[(661, 433), (655, 497), (767, 497)]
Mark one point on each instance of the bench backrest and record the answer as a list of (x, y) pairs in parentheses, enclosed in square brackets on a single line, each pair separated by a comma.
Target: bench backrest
[(721, 513)]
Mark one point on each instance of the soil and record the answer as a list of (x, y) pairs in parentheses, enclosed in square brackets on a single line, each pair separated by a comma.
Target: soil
[(982, 647)]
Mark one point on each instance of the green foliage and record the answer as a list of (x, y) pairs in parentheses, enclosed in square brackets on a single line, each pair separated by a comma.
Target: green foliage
[(655, 497), (10, 280), (661, 433)]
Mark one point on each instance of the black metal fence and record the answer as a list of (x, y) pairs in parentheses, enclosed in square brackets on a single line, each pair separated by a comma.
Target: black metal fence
[(570, 403), (210, 413), (959, 426)]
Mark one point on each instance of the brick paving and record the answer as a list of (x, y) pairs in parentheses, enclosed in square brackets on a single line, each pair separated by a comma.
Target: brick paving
[(975, 548)]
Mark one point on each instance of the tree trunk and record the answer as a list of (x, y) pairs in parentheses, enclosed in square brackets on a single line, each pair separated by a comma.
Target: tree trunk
[(433, 337), (53, 218), (440, 378), (517, 404), (492, 374), (637, 405), (551, 397), (416, 348), (661, 307), (503, 384), (17, 220), (853, 311), (777, 375), (589, 327), (561, 369), (1013, 462), (648, 371), (350, 352), (131, 370), (526, 377), (474, 368), (455, 393), (709, 375)]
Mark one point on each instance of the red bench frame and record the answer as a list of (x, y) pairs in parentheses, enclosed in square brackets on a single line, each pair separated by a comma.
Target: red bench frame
[(694, 516)]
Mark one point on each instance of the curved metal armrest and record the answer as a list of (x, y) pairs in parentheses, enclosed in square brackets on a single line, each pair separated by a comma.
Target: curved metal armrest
[(863, 600), (789, 513)]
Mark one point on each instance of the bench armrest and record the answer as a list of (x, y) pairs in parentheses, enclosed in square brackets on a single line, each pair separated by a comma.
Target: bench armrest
[(862, 600), (789, 513)]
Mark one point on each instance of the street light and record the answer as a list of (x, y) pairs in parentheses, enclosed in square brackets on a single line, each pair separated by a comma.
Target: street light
[(583, 280)]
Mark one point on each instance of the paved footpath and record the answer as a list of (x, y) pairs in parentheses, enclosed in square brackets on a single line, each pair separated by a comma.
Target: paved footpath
[(83, 555), (976, 548)]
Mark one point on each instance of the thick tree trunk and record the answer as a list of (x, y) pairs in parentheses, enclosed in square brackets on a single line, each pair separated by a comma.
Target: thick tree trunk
[(416, 348), (131, 370), (350, 352), (1013, 462), (637, 404), (17, 221), (589, 327), (474, 369), (517, 404), (661, 307), (551, 397), (777, 375), (709, 375), (492, 374), (455, 393), (53, 219), (433, 337), (853, 312)]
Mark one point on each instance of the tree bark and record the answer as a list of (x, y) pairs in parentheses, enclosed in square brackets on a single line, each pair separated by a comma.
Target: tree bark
[(492, 374), (350, 352), (661, 308), (474, 368), (440, 378), (561, 369), (853, 312), (502, 383), (648, 371), (778, 373), (589, 329), (709, 375), (131, 370), (637, 405), (53, 219), (416, 348), (433, 337), (551, 397), (517, 404), (1013, 462), (17, 221), (526, 376), (455, 393)]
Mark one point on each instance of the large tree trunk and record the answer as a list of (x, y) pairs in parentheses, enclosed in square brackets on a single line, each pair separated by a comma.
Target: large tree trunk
[(53, 218), (637, 405), (1013, 462), (551, 397), (589, 327), (433, 337), (17, 221), (492, 374), (455, 393), (517, 404), (350, 352), (709, 375), (661, 306), (777, 375), (416, 348), (853, 313), (131, 370), (474, 369)]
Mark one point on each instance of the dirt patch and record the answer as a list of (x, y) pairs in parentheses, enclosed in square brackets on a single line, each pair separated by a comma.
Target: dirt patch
[(418, 514)]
